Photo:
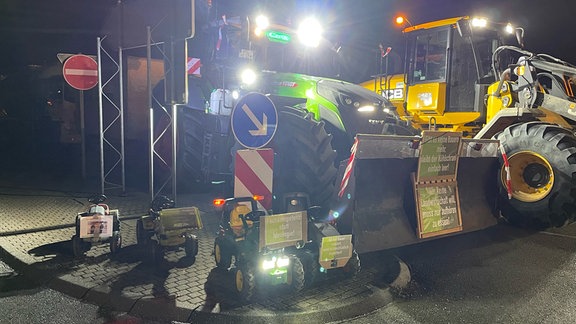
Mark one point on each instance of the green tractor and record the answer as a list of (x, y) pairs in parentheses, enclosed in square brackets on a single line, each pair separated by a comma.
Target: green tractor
[(317, 121)]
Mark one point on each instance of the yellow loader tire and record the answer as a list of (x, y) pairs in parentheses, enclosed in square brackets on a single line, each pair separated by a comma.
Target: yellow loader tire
[(542, 161)]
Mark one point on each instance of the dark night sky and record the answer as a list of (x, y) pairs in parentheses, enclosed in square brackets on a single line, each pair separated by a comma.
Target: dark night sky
[(33, 31)]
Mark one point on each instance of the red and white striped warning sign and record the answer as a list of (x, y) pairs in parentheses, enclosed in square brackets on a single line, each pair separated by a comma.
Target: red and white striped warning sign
[(253, 172), (193, 66), (349, 168)]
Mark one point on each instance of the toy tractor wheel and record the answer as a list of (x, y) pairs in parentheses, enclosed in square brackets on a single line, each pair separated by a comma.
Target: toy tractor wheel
[(245, 282), (155, 252), (77, 246), (296, 274), (311, 267), (115, 242), (222, 253), (191, 245), (142, 235), (352, 267)]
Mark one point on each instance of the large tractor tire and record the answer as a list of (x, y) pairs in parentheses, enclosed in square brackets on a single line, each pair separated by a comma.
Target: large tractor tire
[(304, 157), (542, 160), (191, 142)]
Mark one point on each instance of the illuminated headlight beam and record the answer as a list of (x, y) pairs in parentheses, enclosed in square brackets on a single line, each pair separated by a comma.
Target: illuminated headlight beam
[(367, 108), (310, 32), (248, 76)]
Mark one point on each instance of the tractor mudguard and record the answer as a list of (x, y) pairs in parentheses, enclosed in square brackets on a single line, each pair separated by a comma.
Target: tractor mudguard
[(376, 203)]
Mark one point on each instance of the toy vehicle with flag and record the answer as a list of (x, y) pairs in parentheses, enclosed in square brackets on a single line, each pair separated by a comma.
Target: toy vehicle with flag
[(99, 224), (168, 228)]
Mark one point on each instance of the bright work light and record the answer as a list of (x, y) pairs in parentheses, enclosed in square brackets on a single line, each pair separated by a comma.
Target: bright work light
[(262, 23), (367, 108), (248, 76), (310, 32), (479, 22)]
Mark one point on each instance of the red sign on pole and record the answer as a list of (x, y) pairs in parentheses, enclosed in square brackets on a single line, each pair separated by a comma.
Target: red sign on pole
[(81, 72)]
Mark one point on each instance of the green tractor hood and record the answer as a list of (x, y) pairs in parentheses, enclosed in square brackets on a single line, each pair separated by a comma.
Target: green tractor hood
[(347, 107)]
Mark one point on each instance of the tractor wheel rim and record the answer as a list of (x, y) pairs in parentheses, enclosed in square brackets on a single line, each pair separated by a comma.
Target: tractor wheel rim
[(239, 280), (531, 175), (217, 253)]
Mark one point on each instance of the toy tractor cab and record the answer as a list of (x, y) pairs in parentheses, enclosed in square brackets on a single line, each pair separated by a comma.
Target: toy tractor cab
[(167, 227), (242, 246), (98, 224)]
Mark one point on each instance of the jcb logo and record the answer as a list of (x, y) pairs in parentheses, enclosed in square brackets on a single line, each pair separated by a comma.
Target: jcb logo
[(390, 94)]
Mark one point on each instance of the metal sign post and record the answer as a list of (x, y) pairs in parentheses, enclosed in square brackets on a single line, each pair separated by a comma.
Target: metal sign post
[(81, 73)]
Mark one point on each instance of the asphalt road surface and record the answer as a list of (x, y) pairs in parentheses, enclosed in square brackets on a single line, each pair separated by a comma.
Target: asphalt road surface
[(25, 300), (500, 275)]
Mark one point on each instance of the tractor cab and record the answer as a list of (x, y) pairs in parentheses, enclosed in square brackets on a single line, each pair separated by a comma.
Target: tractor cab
[(449, 69)]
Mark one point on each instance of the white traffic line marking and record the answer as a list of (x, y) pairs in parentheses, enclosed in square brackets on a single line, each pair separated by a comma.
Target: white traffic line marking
[(558, 234)]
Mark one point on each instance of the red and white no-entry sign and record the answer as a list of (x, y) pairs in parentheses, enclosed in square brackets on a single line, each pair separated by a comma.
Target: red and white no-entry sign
[(81, 72)]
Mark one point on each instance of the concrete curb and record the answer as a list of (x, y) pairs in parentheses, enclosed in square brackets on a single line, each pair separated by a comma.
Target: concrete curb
[(378, 299)]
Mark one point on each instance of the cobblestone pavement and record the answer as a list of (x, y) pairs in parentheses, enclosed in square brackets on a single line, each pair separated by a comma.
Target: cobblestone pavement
[(36, 228)]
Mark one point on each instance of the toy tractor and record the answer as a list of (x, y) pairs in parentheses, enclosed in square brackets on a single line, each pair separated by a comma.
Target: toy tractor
[(97, 225), (168, 228), (243, 246), (326, 250)]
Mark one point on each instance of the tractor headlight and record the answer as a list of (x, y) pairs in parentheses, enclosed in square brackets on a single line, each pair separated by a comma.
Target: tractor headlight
[(235, 94), (269, 264), (366, 108), (479, 22), (275, 262), (248, 76), (310, 32), (283, 262), (262, 23)]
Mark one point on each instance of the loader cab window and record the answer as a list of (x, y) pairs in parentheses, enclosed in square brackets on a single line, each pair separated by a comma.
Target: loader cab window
[(430, 56), (470, 70)]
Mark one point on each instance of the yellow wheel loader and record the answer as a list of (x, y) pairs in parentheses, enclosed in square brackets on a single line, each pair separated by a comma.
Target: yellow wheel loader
[(461, 77)]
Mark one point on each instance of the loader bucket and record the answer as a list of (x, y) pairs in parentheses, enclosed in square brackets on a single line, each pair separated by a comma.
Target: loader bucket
[(378, 205)]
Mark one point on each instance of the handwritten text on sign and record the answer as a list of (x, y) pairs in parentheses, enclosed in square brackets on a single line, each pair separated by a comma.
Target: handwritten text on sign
[(439, 152)]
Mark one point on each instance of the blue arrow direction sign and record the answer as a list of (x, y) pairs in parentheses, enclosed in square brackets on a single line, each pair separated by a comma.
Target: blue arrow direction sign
[(254, 120)]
